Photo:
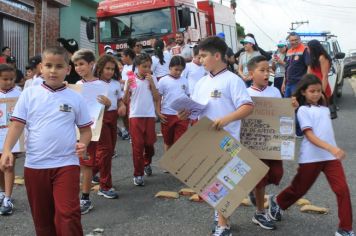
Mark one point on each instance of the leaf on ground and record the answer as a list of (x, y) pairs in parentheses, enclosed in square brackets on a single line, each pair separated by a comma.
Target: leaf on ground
[(186, 192), (314, 209), (19, 180), (95, 188), (303, 201), (196, 198), (167, 194)]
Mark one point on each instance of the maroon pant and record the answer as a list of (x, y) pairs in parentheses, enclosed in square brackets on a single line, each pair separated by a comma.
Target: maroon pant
[(305, 178), (105, 149), (53, 197), (143, 137), (173, 129)]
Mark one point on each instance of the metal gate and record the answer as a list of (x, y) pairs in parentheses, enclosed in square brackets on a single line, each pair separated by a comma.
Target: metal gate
[(84, 42)]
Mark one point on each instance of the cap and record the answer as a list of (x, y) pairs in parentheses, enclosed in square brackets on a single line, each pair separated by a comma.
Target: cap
[(109, 51), (10, 59), (107, 47), (221, 35), (71, 45), (248, 39), (281, 43), (34, 61)]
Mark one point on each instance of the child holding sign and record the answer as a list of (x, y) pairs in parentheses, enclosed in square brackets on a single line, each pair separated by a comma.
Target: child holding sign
[(318, 153), (258, 68), (7, 90), (228, 101)]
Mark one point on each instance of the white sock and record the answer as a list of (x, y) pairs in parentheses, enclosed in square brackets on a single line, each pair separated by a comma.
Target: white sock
[(6, 199)]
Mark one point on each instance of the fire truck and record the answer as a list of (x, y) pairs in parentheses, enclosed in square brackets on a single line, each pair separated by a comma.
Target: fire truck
[(119, 20)]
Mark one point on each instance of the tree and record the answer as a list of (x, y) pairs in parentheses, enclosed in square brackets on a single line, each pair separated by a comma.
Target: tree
[(240, 30)]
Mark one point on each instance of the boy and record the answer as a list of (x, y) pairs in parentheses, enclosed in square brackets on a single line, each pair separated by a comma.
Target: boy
[(194, 70), (84, 61), (7, 90), (50, 112), (228, 101), (258, 68)]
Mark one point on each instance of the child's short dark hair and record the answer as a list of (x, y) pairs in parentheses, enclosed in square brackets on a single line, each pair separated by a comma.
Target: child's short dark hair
[(6, 68), (129, 53), (214, 45), (56, 50), (252, 63), (177, 61), (303, 84), (84, 54), (195, 50), (140, 59), (4, 48)]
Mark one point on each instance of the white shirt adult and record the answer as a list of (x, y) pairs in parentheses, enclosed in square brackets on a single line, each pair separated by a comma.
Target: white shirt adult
[(157, 68), (193, 73), (268, 91), (313, 117), (223, 93), (141, 99), (50, 116), (125, 69), (170, 88), (11, 93)]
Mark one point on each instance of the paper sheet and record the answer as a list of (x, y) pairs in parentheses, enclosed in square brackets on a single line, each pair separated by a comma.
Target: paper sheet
[(185, 103)]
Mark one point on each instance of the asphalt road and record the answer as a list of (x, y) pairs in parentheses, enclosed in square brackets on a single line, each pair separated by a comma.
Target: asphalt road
[(137, 212)]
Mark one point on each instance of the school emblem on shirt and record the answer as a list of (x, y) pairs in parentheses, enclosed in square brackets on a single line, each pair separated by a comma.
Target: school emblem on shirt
[(184, 87), (65, 108), (215, 94), (116, 92)]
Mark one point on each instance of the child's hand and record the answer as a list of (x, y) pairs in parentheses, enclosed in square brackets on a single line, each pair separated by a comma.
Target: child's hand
[(122, 110), (295, 103), (80, 149), (6, 161), (104, 100), (149, 77), (338, 153), (220, 123), (183, 115), (163, 118)]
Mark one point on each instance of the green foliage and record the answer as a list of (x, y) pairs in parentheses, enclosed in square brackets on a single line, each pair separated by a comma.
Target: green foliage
[(240, 30)]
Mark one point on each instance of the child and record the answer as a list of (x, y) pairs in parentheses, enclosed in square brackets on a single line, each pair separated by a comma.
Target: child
[(143, 94), (171, 87), (7, 90), (50, 113), (160, 60), (258, 68), (83, 61), (105, 70), (318, 153), (35, 63), (228, 101), (194, 70)]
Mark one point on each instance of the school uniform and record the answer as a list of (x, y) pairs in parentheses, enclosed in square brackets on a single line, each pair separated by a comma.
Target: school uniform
[(275, 172), (106, 145), (159, 70), (223, 92), (37, 80), (51, 166), (142, 118), (170, 88), (11, 93), (314, 160), (193, 73), (125, 69)]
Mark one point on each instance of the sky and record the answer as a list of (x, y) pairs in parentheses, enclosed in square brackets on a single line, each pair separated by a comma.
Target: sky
[(270, 20)]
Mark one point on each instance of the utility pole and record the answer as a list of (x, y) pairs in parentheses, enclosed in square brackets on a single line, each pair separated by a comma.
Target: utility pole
[(298, 23)]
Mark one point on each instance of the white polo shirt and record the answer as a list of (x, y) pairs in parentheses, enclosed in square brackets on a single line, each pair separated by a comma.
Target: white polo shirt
[(223, 93), (37, 80), (114, 93), (185, 51), (316, 118), (268, 91), (141, 100), (11, 93), (193, 73), (159, 70), (50, 117), (170, 88), (125, 69)]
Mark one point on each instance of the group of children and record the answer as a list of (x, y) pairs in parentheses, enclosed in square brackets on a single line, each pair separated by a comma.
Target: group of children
[(52, 165)]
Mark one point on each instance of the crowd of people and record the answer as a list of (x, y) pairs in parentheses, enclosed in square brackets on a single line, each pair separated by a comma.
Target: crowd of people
[(140, 90)]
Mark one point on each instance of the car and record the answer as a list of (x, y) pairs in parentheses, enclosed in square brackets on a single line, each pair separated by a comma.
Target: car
[(349, 64)]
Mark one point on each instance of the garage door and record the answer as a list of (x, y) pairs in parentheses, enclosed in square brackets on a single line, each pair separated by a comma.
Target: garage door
[(84, 42)]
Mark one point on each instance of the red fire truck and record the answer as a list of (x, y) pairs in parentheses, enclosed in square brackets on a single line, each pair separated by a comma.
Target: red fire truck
[(119, 20)]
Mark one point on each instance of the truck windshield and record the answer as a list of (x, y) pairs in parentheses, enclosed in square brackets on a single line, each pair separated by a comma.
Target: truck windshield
[(136, 25)]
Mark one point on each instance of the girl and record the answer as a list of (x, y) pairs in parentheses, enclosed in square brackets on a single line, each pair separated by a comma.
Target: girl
[(142, 94), (160, 60), (105, 70), (171, 87), (251, 50), (318, 153)]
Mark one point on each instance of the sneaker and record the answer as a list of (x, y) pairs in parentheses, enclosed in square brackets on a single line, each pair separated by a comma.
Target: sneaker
[(148, 170), (252, 198), (138, 181), (215, 222), (115, 155), (274, 211), (2, 197), (85, 206), (341, 232), (263, 220), (108, 194), (119, 133), (95, 179), (6, 210), (222, 231), (125, 136)]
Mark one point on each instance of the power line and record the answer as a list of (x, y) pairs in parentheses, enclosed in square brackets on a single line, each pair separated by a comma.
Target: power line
[(328, 5)]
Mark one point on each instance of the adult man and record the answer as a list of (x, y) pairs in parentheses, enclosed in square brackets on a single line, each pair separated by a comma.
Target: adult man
[(181, 48), (297, 64), (5, 52)]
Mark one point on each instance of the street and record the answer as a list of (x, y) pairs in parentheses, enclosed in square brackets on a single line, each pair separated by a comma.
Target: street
[(137, 212)]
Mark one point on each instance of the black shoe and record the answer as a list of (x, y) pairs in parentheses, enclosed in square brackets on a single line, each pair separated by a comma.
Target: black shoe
[(274, 211), (148, 170), (263, 220), (341, 232)]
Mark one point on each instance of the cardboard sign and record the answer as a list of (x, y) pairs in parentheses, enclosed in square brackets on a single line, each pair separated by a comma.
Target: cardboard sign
[(7, 106), (90, 92), (214, 165), (269, 132)]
